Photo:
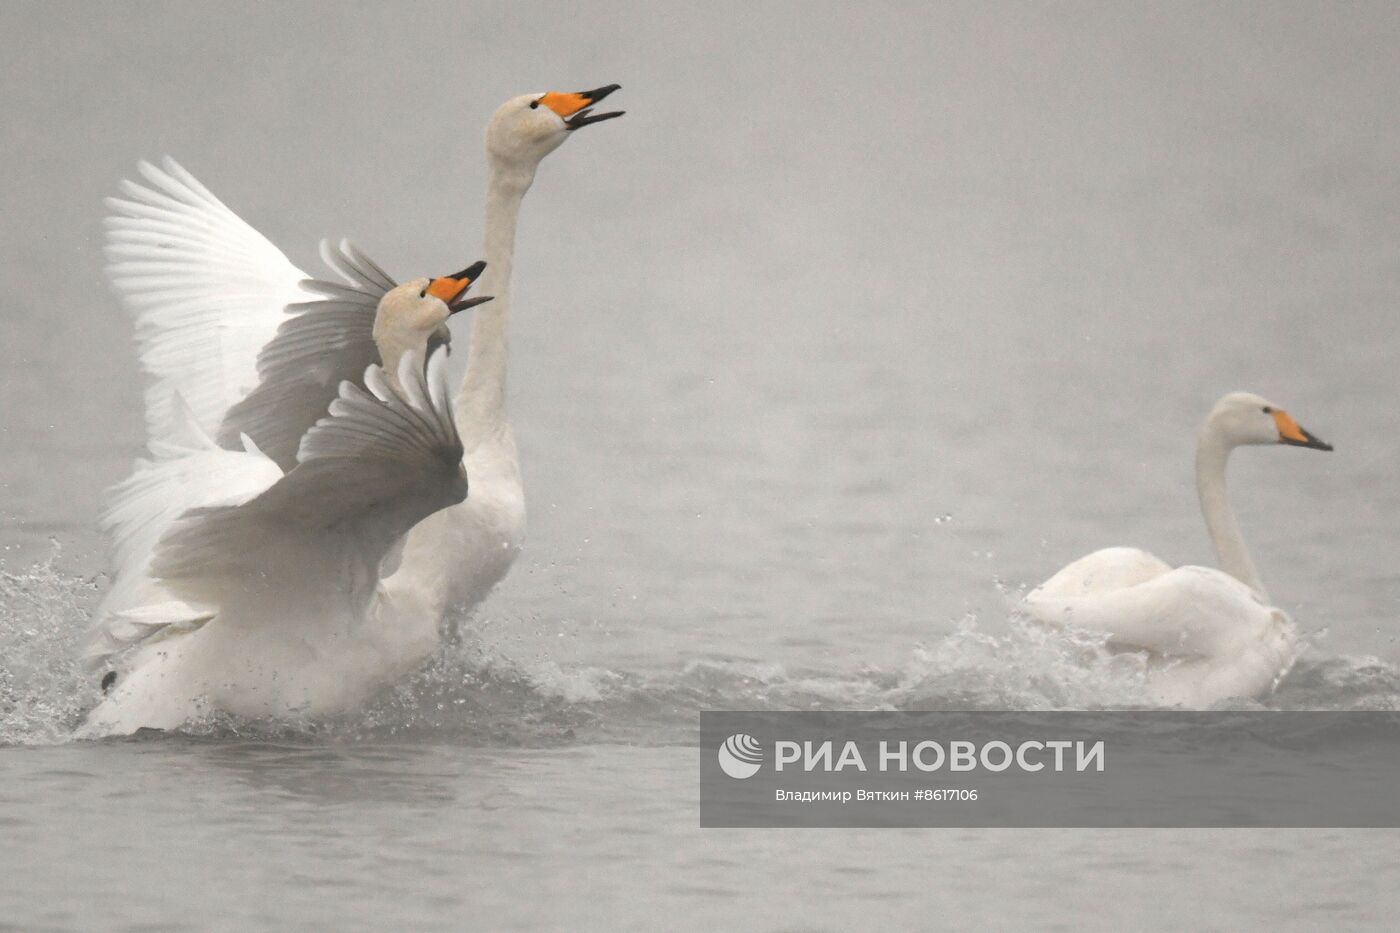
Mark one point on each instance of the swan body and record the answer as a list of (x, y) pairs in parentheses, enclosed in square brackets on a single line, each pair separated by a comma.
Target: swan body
[(1209, 634)]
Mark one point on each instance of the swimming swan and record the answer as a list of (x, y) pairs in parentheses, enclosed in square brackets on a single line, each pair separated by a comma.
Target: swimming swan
[(1209, 634), (273, 607)]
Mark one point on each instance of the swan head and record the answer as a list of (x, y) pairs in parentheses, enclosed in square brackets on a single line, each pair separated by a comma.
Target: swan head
[(412, 317), (1245, 418), (527, 128)]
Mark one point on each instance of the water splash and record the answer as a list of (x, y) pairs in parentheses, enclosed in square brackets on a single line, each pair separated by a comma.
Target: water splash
[(1339, 683), (43, 688), (468, 695), (1029, 667)]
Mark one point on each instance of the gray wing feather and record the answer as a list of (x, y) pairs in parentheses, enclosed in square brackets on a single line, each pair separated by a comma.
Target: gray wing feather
[(354, 266), (381, 461), (324, 343)]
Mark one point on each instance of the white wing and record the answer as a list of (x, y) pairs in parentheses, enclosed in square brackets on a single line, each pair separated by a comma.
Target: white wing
[(1187, 612), (207, 291), (188, 471), (381, 462), (327, 342)]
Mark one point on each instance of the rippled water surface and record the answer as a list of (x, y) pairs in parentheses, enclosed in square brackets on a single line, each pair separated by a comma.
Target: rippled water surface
[(862, 320)]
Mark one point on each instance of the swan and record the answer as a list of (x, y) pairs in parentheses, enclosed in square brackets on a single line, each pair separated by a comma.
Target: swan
[(273, 603), (1209, 634), (238, 365), (454, 558)]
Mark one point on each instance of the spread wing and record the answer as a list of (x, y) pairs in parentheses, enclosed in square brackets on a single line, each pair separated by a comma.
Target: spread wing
[(206, 290), (328, 341), (382, 461)]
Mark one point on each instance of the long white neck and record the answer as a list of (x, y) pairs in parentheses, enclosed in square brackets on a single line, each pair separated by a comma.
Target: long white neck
[(392, 349), (481, 400), (445, 557), (1212, 453)]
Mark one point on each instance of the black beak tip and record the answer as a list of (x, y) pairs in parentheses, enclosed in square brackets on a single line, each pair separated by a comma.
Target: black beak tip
[(586, 117), (1316, 443), (1310, 443), (598, 94), (466, 303), (471, 272)]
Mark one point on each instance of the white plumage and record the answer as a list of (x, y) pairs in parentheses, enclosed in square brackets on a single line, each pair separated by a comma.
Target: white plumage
[(1209, 634), (206, 292)]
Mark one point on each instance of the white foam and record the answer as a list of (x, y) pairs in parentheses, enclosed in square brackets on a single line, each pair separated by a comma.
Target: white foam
[(44, 689)]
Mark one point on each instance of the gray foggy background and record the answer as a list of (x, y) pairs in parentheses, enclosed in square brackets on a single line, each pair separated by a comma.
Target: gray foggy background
[(863, 314)]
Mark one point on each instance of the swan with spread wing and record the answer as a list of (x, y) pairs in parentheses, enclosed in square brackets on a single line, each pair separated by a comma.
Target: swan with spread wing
[(365, 319), (273, 607)]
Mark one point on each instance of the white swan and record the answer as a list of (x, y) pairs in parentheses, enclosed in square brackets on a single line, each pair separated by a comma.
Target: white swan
[(271, 607), (453, 559), (1209, 634), (207, 291)]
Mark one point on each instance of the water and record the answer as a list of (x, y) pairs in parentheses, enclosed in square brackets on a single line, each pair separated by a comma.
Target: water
[(861, 321)]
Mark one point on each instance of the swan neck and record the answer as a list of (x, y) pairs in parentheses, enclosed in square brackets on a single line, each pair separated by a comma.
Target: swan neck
[(481, 401), (1212, 454), (391, 354)]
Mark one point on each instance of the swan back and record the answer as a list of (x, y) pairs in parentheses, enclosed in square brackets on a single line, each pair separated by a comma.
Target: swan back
[(1108, 569)]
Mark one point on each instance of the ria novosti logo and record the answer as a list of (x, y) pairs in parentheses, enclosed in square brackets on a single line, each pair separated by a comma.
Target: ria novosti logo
[(740, 756)]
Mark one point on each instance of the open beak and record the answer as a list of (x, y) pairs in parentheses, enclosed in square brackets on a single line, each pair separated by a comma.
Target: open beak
[(452, 288), (1290, 433), (576, 109)]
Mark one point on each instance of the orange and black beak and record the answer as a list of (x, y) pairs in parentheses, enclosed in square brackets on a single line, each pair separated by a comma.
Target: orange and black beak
[(1290, 433), (575, 109), (451, 288)]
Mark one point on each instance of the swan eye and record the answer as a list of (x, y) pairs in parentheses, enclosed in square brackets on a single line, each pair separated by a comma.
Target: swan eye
[(1268, 410), (423, 293), (534, 105)]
